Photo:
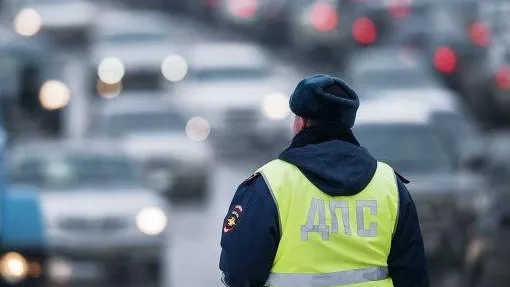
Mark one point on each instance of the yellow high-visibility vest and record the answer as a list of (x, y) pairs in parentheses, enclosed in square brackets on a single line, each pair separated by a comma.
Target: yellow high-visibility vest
[(332, 240)]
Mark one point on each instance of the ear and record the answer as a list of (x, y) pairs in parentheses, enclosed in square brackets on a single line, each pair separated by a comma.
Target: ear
[(299, 124)]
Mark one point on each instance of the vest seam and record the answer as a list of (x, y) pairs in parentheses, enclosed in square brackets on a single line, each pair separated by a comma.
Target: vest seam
[(398, 204), (273, 195)]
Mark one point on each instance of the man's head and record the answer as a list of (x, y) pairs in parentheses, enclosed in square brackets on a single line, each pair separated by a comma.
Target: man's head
[(322, 98)]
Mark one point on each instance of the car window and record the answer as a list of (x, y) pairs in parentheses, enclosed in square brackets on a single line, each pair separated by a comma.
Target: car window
[(230, 74), (406, 147), (60, 171), (134, 38), (119, 125), (392, 77)]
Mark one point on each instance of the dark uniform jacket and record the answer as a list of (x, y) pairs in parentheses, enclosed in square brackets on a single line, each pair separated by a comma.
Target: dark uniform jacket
[(335, 163)]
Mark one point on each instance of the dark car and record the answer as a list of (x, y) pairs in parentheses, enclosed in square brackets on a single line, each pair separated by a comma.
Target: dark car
[(490, 92), (26, 64), (338, 25), (452, 34), (410, 135), (488, 256)]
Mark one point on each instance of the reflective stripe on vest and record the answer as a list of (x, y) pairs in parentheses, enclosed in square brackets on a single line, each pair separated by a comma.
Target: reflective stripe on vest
[(341, 278), (329, 241)]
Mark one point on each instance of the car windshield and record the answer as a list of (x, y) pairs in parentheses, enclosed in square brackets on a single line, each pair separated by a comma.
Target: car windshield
[(230, 74), (68, 171), (406, 147), (134, 38), (143, 122), (403, 78)]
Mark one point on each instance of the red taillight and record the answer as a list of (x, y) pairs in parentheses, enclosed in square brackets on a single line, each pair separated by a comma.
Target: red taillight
[(503, 78), (364, 31), (324, 17), (479, 34), (399, 8), (243, 8), (212, 3), (445, 60)]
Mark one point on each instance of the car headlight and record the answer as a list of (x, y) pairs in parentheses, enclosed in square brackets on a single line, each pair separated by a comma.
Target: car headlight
[(13, 267), (276, 106), (151, 220)]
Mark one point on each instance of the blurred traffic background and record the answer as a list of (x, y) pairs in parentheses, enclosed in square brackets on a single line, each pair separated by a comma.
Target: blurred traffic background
[(128, 124)]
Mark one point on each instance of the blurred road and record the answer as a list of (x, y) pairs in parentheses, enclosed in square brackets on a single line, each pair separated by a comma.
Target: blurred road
[(195, 248)]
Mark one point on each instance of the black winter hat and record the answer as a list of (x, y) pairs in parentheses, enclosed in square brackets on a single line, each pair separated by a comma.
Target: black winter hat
[(322, 97)]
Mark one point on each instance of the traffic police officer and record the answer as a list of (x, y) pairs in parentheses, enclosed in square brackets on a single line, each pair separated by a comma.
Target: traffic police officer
[(325, 213)]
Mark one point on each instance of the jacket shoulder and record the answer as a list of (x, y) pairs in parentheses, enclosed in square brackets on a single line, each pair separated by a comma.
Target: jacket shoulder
[(402, 178)]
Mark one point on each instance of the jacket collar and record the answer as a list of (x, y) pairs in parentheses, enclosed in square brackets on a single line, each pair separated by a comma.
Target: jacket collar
[(320, 133)]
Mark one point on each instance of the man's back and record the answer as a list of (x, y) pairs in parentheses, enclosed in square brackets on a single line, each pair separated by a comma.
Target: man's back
[(287, 226)]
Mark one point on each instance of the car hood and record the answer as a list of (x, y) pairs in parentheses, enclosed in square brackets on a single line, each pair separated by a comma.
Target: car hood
[(66, 15), (458, 182), (218, 97), (96, 202), (177, 146), (139, 55)]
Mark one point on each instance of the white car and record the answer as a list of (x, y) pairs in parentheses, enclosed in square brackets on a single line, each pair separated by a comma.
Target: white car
[(136, 51), (240, 91), (67, 21), (99, 216), (174, 151), (391, 67)]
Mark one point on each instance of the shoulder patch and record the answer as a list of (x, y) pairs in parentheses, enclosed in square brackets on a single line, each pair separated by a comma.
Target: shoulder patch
[(252, 177), (402, 178), (232, 219)]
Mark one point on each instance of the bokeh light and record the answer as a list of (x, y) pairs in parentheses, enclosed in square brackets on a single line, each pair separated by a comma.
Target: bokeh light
[(174, 68), (276, 106), (198, 129), (54, 95), (108, 91), (364, 31), (13, 267), (324, 17), (151, 220), (27, 22), (503, 77), (111, 70), (445, 60), (479, 34)]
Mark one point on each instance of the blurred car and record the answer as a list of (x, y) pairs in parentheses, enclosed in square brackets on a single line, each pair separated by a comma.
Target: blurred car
[(406, 134), (338, 25), (379, 69), (134, 52), (23, 252), (453, 36), (100, 218), (27, 64), (239, 91), (487, 256), (173, 150), (68, 22), (267, 18), (490, 92)]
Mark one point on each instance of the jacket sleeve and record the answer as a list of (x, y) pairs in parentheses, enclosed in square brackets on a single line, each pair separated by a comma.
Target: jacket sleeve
[(407, 263), (249, 248)]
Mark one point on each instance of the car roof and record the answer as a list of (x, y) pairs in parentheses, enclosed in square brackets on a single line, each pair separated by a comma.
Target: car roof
[(434, 97), (134, 104), (382, 59), (399, 110), (219, 55), (89, 147), (125, 21)]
